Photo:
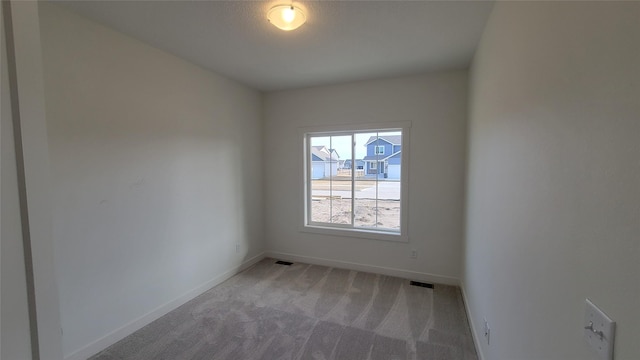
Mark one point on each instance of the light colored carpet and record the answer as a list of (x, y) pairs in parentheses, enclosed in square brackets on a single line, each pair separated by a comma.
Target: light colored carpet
[(306, 311)]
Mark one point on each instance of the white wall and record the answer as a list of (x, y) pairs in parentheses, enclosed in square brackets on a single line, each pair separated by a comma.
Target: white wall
[(28, 175), (156, 177), (14, 330), (436, 104), (554, 179)]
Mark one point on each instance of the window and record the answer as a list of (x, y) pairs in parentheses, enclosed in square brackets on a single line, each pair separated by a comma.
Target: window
[(362, 201)]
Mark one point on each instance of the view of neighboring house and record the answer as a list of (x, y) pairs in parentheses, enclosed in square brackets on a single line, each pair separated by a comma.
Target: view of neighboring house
[(324, 162), (359, 164), (384, 154)]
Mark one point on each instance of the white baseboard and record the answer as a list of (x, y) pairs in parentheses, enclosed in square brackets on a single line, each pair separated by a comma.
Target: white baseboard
[(406, 274), (474, 334), (118, 334)]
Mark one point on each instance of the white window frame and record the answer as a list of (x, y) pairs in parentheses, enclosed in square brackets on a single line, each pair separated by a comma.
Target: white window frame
[(350, 231), (374, 166), (379, 152)]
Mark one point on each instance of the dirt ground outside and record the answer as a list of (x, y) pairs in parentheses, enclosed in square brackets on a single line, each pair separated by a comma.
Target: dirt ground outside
[(368, 212)]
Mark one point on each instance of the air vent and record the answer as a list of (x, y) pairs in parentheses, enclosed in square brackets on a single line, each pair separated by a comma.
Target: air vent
[(284, 263), (421, 284)]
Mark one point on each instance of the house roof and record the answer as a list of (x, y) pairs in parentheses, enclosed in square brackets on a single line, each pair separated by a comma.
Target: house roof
[(324, 154), (391, 139), (379, 158)]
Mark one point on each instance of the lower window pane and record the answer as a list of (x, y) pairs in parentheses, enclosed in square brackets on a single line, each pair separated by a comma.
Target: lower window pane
[(377, 204), (389, 205), (320, 202), (341, 201), (365, 207)]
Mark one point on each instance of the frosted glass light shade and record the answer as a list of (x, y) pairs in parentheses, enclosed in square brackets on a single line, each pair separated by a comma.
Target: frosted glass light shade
[(286, 17)]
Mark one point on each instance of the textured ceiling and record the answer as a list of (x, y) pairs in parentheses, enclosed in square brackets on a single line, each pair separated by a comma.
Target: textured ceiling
[(341, 41)]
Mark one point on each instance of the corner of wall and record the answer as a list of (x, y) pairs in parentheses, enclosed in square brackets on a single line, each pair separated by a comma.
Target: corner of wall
[(138, 323), (474, 334)]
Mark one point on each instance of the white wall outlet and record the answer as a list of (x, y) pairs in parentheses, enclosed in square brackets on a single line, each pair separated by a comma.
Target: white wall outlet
[(414, 254), (237, 247), (599, 331), (486, 330)]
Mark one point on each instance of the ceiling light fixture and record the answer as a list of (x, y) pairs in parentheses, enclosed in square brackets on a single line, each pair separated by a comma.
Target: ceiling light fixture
[(286, 17)]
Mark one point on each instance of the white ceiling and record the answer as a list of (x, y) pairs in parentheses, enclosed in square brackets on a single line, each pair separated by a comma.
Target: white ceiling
[(341, 41)]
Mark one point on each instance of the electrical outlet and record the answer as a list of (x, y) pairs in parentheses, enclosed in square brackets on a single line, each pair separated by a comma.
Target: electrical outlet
[(487, 330), (414, 254), (237, 247)]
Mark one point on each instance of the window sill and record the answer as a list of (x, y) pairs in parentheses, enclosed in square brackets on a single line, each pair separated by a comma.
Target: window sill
[(357, 233)]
